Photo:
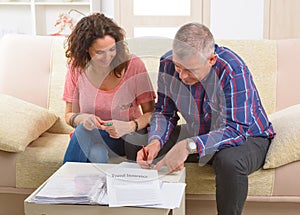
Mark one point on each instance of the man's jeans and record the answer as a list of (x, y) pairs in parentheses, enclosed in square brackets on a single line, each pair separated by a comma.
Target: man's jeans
[(232, 166)]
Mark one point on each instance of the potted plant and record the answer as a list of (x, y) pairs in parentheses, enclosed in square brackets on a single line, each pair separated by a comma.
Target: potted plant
[(65, 23)]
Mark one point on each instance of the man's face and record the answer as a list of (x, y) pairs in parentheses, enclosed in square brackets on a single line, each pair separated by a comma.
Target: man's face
[(193, 69)]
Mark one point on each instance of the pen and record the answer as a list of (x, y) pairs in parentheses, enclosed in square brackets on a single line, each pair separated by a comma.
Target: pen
[(145, 154), (108, 124), (145, 158)]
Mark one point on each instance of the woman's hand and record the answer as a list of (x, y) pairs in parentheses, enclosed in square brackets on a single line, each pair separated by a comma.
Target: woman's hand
[(89, 121), (117, 129)]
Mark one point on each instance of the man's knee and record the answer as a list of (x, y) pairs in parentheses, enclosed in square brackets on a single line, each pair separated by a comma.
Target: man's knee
[(228, 162)]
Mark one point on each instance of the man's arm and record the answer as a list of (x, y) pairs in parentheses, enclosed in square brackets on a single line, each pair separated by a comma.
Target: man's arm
[(164, 117), (236, 113)]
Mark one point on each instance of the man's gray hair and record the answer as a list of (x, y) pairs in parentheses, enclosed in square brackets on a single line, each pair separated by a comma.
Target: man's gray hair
[(193, 38)]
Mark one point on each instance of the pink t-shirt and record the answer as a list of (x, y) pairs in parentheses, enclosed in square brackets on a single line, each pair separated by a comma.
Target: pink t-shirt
[(121, 103)]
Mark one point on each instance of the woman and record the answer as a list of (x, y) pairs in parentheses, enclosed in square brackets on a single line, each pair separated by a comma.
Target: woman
[(108, 92)]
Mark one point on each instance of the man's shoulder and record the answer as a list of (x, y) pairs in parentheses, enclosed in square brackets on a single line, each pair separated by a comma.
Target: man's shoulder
[(225, 52), (226, 56), (168, 56)]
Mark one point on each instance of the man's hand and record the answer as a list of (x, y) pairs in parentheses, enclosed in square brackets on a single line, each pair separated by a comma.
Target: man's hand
[(151, 150), (175, 158)]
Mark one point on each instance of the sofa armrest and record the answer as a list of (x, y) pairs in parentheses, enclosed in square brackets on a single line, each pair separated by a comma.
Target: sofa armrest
[(25, 67)]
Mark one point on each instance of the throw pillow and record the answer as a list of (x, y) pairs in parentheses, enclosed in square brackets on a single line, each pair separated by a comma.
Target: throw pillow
[(285, 147), (21, 123)]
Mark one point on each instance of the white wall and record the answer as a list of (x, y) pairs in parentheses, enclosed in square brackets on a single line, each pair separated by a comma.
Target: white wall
[(107, 7), (237, 19)]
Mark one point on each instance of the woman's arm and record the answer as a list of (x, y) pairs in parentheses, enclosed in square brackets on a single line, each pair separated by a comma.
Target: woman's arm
[(120, 128), (71, 109), (73, 117), (144, 120)]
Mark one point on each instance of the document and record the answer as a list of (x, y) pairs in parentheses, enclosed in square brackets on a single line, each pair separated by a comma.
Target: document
[(133, 187), (126, 184), (171, 195)]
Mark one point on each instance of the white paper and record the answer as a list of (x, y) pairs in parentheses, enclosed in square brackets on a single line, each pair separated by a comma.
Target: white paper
[(171, 195), (133, 187)]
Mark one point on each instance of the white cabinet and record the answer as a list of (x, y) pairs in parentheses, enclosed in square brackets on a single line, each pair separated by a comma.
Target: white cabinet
[(38, 17)]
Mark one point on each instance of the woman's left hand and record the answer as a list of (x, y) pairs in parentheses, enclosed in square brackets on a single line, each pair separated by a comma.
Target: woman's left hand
[(116, 128)]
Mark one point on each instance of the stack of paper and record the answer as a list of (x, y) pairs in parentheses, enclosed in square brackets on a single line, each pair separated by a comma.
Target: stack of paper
[(124, 185), (66, 189)]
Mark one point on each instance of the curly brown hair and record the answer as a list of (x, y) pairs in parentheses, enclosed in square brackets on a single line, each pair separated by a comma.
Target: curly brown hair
[(86, 31)]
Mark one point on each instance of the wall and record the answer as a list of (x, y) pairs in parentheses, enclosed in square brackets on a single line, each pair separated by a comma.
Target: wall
[(237, 19), (282, 19)]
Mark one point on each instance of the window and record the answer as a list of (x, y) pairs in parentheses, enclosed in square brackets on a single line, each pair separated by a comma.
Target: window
[(156, 17)]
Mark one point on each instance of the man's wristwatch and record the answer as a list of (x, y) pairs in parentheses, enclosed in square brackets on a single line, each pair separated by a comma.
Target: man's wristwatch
[(191, 146)]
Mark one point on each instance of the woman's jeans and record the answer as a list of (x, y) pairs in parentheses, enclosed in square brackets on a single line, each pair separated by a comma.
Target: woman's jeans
[(93, 146), (97, 147)]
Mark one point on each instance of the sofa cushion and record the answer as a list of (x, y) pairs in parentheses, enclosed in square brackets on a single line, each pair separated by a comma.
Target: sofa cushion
[(285, 147), (22, 123), (201, 180), (40, 159)]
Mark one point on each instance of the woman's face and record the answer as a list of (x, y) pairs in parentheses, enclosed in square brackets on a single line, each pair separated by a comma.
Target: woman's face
[(103, 50)]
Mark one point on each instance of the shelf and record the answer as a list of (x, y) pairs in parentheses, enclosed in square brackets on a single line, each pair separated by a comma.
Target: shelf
[(15, 3), (37, 17), (63, 3)]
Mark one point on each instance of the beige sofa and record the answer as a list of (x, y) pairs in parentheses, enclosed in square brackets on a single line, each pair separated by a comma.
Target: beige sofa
[(34, 136)]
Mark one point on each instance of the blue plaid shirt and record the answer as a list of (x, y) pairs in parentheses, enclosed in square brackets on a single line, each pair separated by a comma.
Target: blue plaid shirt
[(220, 111)]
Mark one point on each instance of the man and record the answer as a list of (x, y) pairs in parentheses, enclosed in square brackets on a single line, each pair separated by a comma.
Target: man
[(226, 126)]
